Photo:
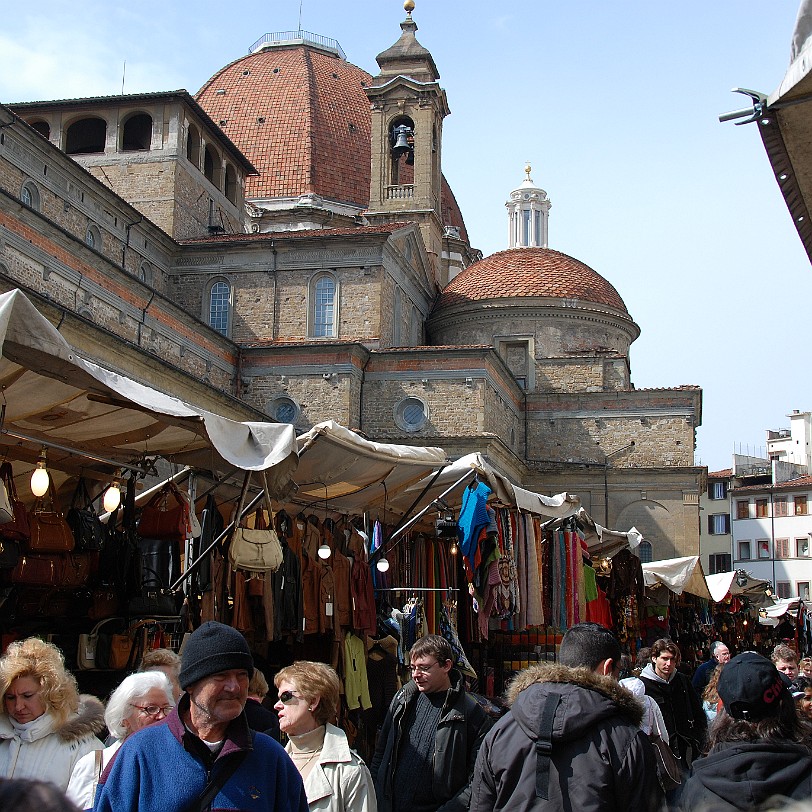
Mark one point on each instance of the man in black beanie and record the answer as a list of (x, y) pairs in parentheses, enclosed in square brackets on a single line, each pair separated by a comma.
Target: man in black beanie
[(203, 755)]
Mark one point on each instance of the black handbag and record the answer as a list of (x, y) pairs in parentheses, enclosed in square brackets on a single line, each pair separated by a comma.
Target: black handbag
[(159, 602), (88, 531), (9, 553)]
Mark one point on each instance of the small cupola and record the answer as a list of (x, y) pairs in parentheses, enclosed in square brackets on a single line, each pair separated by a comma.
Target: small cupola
[(528, 215)]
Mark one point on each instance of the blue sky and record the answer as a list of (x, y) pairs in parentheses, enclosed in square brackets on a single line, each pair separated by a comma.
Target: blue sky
[(615, 105)]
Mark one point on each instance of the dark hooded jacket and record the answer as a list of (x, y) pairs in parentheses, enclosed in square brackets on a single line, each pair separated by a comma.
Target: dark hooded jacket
[(598, 759), (462, 726), (742, 775)]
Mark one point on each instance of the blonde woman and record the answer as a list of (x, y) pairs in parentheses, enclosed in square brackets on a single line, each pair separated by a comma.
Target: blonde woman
[(45, 726), (335, 778), (140, 700)]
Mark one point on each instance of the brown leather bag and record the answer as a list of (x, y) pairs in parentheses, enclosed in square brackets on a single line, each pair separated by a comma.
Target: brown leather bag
[(50, 532), (166, 515), (37, 570)]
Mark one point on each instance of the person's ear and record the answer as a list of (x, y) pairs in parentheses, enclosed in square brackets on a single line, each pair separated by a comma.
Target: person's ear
[(447, 665), (606, 668)]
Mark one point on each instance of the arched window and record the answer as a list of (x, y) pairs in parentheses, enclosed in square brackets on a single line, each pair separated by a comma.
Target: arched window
[(93, 237), (211, 166), (42, 127), (324, 307), (29, 195), (85, 136), (137, 133), (220, 306), (644, 552), (231, 184), (193, 146), (145, 273)]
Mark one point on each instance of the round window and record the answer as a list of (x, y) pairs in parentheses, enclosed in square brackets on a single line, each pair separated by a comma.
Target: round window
[(411, 414), (284, 410)]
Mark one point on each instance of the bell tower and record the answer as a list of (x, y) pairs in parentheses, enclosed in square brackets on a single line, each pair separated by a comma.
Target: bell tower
[(408, 108)]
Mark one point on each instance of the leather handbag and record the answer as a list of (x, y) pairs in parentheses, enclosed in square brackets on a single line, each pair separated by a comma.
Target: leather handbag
[(127, 647), (78, 569), (105, 603), (668, 764), (166, 515), (88, 531), (159, 602), (93, 647), (50, 532), (255, 550), (37, 570), (6, 508), (17, 529)]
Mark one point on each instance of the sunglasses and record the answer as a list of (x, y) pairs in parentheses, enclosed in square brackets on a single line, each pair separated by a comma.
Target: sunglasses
[(286, 697)]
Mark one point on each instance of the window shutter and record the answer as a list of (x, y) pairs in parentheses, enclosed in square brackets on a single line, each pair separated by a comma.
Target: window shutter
[(710, 525), (727, 522)]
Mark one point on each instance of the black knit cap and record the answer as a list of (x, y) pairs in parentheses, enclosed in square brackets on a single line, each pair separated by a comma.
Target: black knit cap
[(211, 648), (751, 687)]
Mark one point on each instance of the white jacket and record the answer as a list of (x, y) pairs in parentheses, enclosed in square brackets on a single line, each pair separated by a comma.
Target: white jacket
[(339, 780), (85, 777), (43, 751)]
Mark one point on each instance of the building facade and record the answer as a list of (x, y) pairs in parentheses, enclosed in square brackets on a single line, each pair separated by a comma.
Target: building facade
[(284, 245)]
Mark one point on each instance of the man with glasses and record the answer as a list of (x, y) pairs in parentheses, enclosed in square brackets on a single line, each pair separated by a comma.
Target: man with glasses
[(203, 754), (429, 740), (572, 738)]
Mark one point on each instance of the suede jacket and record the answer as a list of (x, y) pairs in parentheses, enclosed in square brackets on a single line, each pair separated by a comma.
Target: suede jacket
[(460, 731)]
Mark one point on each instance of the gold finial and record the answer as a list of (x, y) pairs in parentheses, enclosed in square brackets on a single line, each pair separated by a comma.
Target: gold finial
[(527, 170), (409, 6)]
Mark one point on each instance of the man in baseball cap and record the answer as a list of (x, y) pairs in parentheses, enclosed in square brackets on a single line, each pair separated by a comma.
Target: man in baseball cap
[(204, 754), (757, 743)]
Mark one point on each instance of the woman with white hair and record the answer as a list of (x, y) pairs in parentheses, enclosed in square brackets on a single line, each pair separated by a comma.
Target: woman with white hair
[(140, 700)]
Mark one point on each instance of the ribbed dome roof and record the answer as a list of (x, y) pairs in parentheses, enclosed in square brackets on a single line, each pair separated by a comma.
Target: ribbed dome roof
[(301, 116), (530, 272)]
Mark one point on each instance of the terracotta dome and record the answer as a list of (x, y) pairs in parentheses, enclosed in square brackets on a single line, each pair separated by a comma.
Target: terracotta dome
[(530, 272), (299, 113)]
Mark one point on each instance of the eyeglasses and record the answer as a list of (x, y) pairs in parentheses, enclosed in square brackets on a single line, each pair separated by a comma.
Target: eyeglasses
[(154, 710), (286, 697), (422, 669)]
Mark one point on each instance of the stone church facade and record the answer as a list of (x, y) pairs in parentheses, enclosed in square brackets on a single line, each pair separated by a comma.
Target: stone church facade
[(283, 245)]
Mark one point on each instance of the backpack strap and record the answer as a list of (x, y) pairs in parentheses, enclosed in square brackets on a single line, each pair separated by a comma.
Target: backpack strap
[(544, 745), (217, 782)]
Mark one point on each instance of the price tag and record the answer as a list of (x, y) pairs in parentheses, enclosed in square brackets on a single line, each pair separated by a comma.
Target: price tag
[(328, 609)]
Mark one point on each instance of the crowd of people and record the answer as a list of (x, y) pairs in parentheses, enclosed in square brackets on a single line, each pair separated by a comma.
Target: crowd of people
[(191, 733)]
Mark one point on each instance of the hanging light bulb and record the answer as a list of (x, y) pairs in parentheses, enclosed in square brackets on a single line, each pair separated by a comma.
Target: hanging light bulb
[(40, 479), (382, 565), (112, 496), (324, 551), (453, 549)]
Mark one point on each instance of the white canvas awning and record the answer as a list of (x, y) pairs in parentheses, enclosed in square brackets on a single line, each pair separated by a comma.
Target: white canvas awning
[(341, 471), (679, 575), (560, 506), (723, 584), (54, 396)]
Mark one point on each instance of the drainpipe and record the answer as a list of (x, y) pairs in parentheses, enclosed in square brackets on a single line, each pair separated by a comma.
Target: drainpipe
[(127, 241), (274, 326)]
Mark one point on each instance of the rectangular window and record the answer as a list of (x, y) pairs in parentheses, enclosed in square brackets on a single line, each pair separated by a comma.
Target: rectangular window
[(761, 508), (783, 589), (719, 524), (718, 490), (782, 548), (743, 509), (744, 551), (802, 547), (803, 590), (526, 227), (763, 548), (800, 505), (780, 503), (719, 562)]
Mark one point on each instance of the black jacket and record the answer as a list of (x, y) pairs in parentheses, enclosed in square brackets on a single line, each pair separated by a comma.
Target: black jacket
[(462, 726), (742, 775), (262, 719), (682, 710), (599, 759)]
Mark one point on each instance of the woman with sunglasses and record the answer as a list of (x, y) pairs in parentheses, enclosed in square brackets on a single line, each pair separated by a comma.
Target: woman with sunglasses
[(45, 726), (335, 778), (140, 700)]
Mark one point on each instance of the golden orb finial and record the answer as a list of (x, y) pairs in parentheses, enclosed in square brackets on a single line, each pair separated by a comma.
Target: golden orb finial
[(409, 6), (527, 169)]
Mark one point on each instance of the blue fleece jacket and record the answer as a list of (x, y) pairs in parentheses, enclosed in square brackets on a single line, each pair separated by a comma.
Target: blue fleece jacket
[(160, 769)]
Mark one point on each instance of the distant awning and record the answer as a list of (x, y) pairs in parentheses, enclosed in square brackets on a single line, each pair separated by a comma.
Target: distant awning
[(723, 584), (679, 575), (53, 396)]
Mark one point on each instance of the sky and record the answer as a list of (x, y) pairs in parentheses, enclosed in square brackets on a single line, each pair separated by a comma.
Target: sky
[(614, 104)]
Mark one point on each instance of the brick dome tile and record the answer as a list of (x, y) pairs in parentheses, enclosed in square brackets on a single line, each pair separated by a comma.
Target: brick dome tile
[(530, 272)]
